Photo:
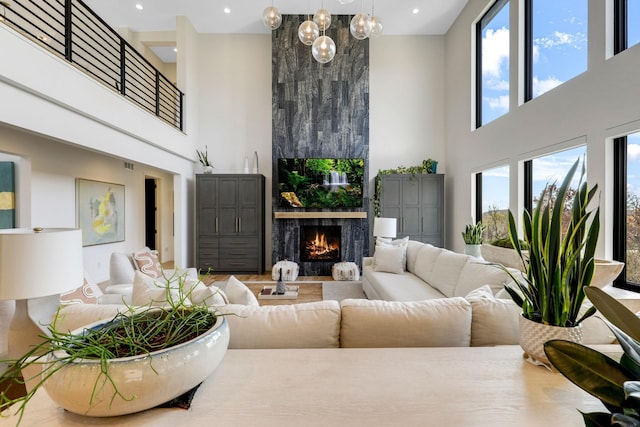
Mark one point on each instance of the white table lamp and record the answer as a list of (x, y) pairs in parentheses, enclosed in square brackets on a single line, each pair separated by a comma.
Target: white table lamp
[(35, 267), (384, 227)]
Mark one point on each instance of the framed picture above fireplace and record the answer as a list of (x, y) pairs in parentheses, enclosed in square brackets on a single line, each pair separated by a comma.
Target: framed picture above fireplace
[(320, 182)]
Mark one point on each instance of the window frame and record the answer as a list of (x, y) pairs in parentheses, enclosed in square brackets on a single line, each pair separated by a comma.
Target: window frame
[(620, 212), (495, 8), (620, 26)]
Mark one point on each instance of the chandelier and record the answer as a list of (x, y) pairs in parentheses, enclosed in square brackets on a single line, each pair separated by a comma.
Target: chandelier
[(312, 32)]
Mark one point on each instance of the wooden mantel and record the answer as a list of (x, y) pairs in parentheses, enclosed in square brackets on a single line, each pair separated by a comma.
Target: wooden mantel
[(311, 215)]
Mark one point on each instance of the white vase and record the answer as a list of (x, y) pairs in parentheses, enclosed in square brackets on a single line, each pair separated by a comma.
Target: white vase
[(207, 169), (473, 250), (145, 381), (533, 335)]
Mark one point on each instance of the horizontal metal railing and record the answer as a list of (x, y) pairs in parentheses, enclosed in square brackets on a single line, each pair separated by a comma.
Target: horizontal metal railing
[(69, 28)]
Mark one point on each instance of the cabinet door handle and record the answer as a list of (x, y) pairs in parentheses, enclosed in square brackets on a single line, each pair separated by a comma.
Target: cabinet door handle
[(216, 225), (239, 225)]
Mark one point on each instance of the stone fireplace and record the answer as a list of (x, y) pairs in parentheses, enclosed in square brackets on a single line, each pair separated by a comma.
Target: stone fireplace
[(320, 243), (319, 111)]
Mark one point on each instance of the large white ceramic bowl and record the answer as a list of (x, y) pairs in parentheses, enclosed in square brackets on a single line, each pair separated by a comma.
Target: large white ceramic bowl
[(144, 381)]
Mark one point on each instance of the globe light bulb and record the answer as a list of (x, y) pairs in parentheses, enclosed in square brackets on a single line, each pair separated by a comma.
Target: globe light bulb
[(271, 18), (323, 49), (308, 31), (376, 27), (360, 26), (323, 19)]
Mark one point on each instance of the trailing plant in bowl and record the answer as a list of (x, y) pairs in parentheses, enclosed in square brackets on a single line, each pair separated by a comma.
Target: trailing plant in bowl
[(472, 234), (616, 384), (134, 335)]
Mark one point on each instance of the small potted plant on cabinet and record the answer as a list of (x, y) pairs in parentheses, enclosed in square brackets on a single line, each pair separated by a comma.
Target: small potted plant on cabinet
[(472, 236)]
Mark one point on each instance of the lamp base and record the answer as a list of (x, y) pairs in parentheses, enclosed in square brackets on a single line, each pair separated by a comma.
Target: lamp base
[(25, 330)]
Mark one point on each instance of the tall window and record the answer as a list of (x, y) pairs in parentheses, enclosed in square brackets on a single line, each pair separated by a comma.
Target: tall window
[(627, 209), (627, 24), (550, 169), (556, 43), (492, 189), (492, 63)]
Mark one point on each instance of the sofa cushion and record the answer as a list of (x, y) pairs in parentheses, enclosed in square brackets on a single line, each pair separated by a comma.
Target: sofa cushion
[(306, 325), (477, 273), (413, 248), (494, 321), (389, 259), (447, 271), (121, 269), (396, 287), (426, 261), (238, 293), (433, 323)]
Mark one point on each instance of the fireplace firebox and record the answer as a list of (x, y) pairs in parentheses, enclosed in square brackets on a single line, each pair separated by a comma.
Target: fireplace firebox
[(320, 243)]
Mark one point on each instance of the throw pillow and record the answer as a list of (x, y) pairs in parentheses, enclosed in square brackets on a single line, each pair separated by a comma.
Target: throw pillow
[(88, 293), (388, 259), (149, 292), (148, 263), (401, 243), (494, 321), (238, 293)]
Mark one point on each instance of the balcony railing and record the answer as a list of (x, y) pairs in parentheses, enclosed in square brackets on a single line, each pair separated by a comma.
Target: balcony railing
[(69, 28)]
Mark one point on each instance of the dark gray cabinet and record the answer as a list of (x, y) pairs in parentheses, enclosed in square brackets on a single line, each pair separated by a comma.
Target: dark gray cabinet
[(417, 201), (230, 223)]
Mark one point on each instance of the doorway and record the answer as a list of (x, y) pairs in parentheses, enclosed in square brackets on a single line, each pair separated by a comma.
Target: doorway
[(151, 213)]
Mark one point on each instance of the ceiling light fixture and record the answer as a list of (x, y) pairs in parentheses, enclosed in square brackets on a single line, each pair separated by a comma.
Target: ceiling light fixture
[(139, 6), (376, 23), (415, 11), (271, 17), (322, 18), (360, 26), (323, 49), (227, 10)]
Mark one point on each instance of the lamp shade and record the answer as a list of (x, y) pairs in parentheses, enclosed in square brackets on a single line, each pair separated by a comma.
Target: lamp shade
[(39, 263), (384, 227)]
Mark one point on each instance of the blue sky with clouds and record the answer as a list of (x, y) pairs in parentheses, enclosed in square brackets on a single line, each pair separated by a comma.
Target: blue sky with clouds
[(559, 54)]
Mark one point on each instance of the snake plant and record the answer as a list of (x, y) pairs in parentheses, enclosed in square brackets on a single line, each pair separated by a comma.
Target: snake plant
[(616, 384), (560, 262), (472, 234)]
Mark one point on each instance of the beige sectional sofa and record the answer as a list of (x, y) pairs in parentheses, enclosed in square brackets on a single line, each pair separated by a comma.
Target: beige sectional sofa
[(439, 275)]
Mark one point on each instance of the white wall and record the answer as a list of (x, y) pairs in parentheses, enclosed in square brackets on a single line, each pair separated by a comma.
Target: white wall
[(234, 108), (407, 102), (51, 193), (594, 107)]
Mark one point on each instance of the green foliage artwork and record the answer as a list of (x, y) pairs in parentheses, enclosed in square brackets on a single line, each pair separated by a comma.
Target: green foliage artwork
[(320, 183)]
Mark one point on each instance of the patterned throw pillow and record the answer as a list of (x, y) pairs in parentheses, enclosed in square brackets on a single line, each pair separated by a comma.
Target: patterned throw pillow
[(88, 293), (148, 263)]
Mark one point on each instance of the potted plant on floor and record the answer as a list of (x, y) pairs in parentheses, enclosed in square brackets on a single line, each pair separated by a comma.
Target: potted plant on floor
[(472, 236), (132, 362), (616, 384), (560, 264)]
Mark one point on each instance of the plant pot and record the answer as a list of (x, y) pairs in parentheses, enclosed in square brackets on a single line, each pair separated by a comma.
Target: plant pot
[(473, 250), (533, 335), (207, 169), (145, 381)]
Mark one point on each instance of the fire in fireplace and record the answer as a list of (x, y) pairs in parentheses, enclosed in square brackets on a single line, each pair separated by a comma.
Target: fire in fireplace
[(320, 243)]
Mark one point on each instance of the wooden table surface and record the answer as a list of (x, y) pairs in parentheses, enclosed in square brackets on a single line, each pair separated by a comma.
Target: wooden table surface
[(471, 386)]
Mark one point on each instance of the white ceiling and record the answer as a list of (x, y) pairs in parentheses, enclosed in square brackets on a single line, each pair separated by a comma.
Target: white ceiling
[(208, 16)]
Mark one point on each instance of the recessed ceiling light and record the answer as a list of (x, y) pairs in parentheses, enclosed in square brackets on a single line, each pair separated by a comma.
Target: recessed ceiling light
[(139, 6), (175, 49), (415, 11), (227, 10)]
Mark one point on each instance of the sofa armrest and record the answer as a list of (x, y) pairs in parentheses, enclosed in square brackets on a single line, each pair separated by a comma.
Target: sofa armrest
[(368, 260)]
